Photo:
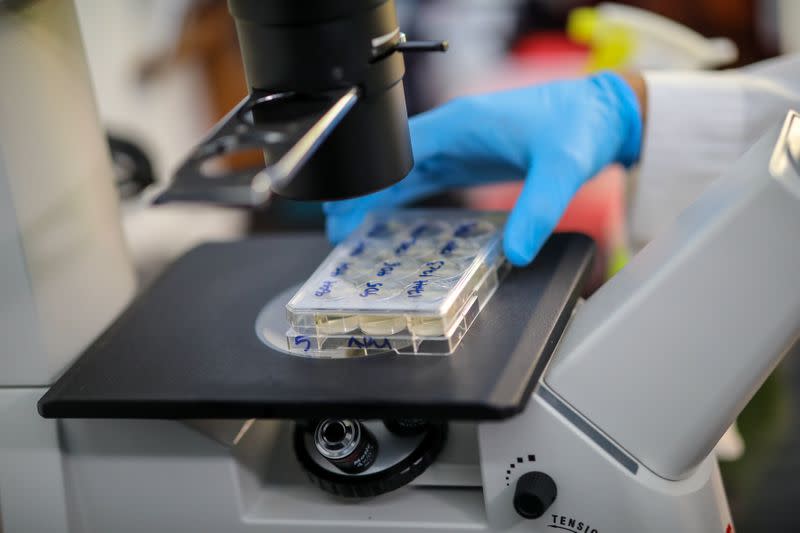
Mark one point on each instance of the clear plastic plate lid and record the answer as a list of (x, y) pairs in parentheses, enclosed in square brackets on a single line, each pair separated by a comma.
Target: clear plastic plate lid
[(409, 274)]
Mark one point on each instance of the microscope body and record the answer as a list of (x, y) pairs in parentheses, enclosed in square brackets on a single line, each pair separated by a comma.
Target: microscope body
[(603, 476), (200, 477), (557, 464)]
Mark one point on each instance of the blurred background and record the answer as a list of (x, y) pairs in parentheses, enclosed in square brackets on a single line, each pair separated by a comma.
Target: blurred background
[(166, 70)]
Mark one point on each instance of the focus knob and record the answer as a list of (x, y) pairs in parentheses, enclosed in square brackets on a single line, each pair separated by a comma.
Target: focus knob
[(535, 492)]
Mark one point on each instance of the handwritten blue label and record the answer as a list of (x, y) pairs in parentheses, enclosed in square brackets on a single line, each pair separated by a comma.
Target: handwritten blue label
[(368, 342), (358, 249), (404, 246), (372, 287), (302, 339), (340, 269), (417, 288), (465, 230), (381, 229), (420, 230), (448, 249), (432, 267), (387, 268), (324, 289)]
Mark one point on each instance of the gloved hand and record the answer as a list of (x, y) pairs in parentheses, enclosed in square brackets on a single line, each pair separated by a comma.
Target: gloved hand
[(555, 135)]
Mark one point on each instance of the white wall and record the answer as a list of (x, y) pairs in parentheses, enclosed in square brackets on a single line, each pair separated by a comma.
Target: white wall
[(166, 116)]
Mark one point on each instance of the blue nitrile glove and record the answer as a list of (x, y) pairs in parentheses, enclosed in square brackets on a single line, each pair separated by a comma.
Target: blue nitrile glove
[(556, 135)]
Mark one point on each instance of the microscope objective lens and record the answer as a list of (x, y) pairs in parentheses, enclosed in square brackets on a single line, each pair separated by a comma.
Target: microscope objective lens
[(346, 444)]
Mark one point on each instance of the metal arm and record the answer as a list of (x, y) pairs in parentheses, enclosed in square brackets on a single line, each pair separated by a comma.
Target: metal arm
[(306, 121), (666, 354)]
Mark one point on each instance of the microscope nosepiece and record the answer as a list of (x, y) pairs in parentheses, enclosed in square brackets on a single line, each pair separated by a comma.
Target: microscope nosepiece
[(346, 444)]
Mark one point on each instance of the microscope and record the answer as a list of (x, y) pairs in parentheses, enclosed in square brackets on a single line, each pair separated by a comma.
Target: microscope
[(326, 105), (180, 409)]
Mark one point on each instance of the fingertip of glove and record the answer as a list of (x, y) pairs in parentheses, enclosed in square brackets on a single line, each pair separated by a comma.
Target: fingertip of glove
[(516, 255), (336, 207), (336, 229), (330, 231)]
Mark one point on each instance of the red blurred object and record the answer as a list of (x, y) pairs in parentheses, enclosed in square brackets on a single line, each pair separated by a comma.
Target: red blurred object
[(547, 45)]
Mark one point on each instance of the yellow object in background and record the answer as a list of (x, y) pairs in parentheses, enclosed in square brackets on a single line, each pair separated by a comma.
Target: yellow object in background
[(611, 44), (623, 36)]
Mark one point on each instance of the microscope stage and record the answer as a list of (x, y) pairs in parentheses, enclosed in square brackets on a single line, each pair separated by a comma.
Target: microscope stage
[(187, 346)]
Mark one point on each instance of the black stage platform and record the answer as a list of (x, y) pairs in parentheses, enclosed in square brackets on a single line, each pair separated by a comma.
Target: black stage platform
[(187, 346)]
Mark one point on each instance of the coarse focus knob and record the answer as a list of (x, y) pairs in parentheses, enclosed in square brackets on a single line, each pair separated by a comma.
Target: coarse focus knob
[(535, 492)]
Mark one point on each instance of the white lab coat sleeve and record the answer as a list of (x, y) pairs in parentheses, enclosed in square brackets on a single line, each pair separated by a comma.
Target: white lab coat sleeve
[(698, 124)]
